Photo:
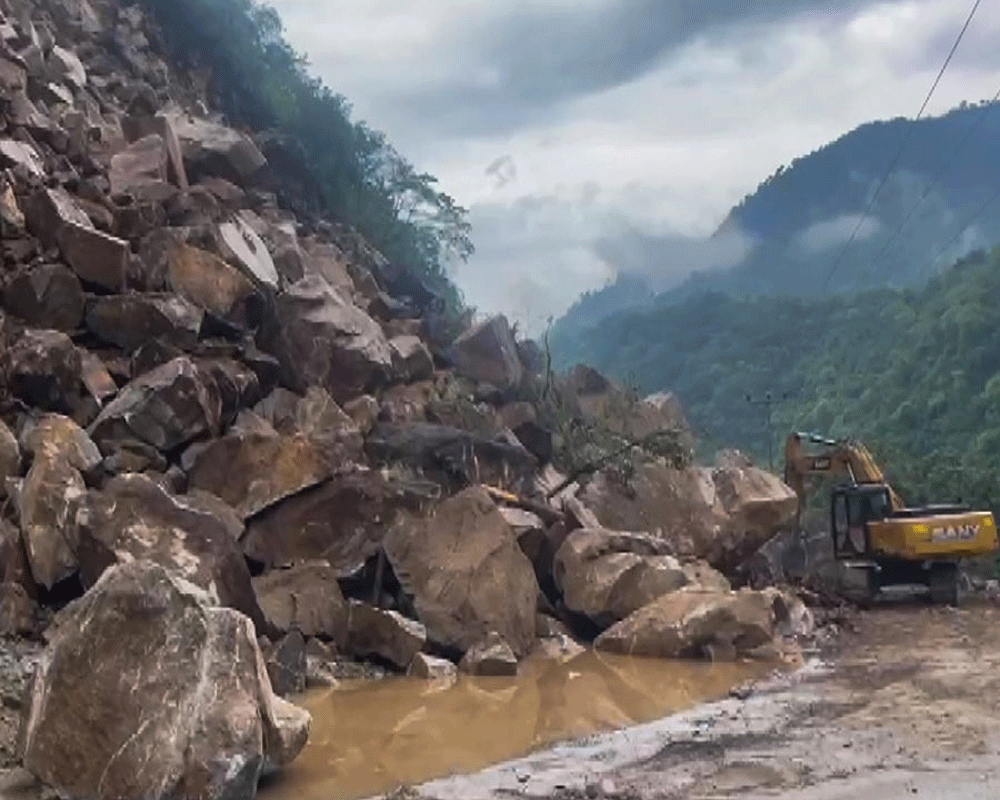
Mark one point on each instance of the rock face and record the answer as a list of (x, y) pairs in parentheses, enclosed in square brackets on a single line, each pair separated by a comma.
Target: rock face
[(466, 574), (607, 575), (722, 515), (681, 624), (90, 729), (135, 518)]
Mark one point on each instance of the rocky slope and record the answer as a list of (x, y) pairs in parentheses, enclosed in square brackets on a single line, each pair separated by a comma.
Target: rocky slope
[(235, 460)]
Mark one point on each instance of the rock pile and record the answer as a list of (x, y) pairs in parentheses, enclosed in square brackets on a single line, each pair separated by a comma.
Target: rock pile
[(234, 448)]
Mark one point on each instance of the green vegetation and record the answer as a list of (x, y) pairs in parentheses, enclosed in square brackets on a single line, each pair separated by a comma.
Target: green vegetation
[(915, 373), (260, 82)]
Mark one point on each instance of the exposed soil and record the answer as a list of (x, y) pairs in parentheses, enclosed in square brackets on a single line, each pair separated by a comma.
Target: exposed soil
[(906, 703)]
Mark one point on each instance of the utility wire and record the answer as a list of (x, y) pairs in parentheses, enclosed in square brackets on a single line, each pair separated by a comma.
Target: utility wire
[(984, 110), (899, 152)]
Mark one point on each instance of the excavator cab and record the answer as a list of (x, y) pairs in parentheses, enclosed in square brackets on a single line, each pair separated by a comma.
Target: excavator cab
[(853, 507)]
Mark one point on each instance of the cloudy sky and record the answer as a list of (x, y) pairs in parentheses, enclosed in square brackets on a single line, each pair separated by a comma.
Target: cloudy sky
[(574, 128)]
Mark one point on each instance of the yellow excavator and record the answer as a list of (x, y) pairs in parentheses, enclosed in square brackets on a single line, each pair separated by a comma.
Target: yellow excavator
[(874, 531)]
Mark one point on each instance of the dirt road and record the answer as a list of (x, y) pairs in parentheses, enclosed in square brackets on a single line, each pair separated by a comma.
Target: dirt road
[(907, 705)]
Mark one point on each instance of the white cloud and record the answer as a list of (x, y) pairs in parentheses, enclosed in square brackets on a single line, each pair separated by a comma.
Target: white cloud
[(831, 232), (664, 152)]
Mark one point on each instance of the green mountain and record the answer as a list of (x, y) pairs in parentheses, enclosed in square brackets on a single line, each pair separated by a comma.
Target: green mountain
[(914, 372), (797, 222)]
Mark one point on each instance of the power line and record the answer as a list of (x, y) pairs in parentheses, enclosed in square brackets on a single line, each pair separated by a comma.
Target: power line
[(902, 146), (954, 155)]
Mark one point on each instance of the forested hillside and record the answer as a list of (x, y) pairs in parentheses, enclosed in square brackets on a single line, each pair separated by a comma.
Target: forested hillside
[(799, 219), (914, 372)]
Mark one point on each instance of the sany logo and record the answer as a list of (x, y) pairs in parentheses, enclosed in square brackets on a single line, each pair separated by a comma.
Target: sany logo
[(955, 533)]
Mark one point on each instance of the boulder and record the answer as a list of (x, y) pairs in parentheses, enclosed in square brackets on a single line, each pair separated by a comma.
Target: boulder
[(43, 369), (58, 438), (305, 597), (46, 294), (96, 378), (48, 211), (286, 664), (46, 502), (487, 353), (333, 433), (722, 516), (134, 518), (198, 720), (320, 339), (364, 411), (10, 457), (240, 243), (411, 359), (213, 149), (140, 170), (341, 521), (96, 257), (204, 279), (132, 320), (466, 574), (22, 154), (65, 65), (430, 668), (681, 624), (385, 634), (167, 407), (19, 613), (607, 575), (326, 260), (138, 126), (492, 657), (252, 471), (448, 455)]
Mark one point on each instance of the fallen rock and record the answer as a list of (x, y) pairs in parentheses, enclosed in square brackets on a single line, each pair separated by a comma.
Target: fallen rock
[(212, 149), (14, 566), (364, 411), (48, 211), (96, 257), (47, 294), (682, 623), (341, 521), (492, 657), (133, 320), (320, 339), (10, 457), (449, 456), (333, 433), (721, 516), (58, 438), (166, 407), (286, 665), (21, 154), (411, 359), (43, 369), (607, 575), (386, 634), (305, 597), (430, 668), (46, 502), (487, 353), (19, 613), (204, 279), (138, 126), (253, 471), (134, 518), (198, 720), (466, 574)]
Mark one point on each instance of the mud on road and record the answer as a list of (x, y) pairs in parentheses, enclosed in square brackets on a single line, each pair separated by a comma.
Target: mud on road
[(906, 704)]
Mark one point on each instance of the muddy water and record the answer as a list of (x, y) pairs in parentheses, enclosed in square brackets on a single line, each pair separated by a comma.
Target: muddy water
[(369, 738)]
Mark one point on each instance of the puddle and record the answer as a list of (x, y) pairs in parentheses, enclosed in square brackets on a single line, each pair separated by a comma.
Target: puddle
[(368, 738)]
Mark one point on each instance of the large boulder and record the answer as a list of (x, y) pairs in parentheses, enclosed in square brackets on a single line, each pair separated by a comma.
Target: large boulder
[(490, 658), (140, 170), (10, 457), (683, 623), (212, 149), (305, 597), (46, 294), (466, 574), (607, 575), (167, 407), (132, 320), (252, 471), (487, 352), (204, 279), (383, 633), (146, 690), (135, 518), (720, 515), (43, 369), (332, 431), (341, 522), (321, 339)]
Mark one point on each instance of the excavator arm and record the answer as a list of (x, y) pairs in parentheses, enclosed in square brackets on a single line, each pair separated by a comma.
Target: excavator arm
[(834, 457)]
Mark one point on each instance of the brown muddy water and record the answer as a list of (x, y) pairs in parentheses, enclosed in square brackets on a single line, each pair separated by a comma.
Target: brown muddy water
[(369, 738)]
